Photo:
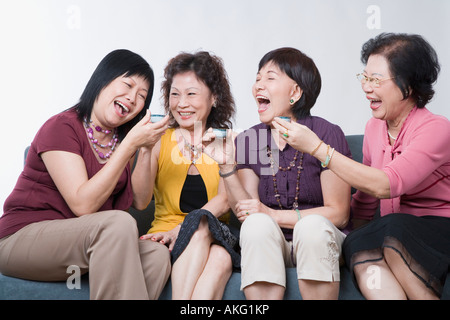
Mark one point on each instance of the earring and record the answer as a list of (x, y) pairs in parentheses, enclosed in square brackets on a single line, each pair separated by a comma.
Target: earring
[(292, 101)]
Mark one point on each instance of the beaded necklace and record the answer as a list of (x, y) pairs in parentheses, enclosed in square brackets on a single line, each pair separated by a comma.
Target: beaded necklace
[(292, 164), (95, 144), (194, 152)]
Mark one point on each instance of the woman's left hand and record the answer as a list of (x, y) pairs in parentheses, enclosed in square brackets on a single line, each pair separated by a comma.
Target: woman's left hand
[(298, 136), (166, 238), (246, 207)]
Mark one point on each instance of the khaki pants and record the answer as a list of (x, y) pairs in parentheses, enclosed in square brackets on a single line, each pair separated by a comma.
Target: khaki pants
[(104, 243), (265, 253)]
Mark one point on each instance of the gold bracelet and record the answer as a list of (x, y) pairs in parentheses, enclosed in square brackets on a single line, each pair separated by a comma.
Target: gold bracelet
[(317, 148), (328, 158)]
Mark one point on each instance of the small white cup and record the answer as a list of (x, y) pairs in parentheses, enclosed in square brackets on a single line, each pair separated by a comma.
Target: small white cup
[(288, 119), (220, 133), (156, 117)]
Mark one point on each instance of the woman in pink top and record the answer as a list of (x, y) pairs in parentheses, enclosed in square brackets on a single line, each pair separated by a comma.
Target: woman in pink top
[(405, 171)]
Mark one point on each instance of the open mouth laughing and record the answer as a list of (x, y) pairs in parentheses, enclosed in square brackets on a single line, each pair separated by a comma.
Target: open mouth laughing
[(121, 108), (375, 103), (263, 103)]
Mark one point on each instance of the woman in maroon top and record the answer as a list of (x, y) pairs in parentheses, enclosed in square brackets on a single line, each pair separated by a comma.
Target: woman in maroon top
[(291, 207), (67, 207)]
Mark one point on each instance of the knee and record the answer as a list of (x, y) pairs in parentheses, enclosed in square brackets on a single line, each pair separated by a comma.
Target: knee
[(202, 233), (257, 228), (221, 259), (313, 230), (118, 223), (391, 256)]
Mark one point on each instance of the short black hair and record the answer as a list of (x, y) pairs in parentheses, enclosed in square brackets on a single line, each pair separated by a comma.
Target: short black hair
[(412, 61), (117, 63), (300, 68)]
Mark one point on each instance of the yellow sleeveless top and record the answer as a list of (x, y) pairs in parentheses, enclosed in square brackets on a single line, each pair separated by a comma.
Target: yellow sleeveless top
[(172, 172)]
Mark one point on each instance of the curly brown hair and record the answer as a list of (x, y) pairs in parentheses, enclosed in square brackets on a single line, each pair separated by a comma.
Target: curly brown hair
[(210, 70)]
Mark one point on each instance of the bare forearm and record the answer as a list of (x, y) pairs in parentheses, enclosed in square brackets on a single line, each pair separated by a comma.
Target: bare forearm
[(367, 179), (142, 179), (288, 218), (218, 205), (233, 185), (92, 194)]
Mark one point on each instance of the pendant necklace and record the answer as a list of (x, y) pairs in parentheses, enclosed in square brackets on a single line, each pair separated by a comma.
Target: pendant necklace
[(292, 165), (194, 152), (390, 135)]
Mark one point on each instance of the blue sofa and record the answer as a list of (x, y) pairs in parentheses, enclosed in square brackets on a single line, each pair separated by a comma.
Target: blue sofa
[(19, 289)]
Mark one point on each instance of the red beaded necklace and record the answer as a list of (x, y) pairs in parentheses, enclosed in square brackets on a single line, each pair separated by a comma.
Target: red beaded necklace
[(292, 164)]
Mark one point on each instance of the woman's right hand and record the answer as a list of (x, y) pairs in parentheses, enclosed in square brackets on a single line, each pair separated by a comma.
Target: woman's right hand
[(220, 150), (145, 134), (298, 136)]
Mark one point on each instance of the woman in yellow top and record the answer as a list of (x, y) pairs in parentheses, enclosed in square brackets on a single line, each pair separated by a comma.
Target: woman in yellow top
[(190, 196)]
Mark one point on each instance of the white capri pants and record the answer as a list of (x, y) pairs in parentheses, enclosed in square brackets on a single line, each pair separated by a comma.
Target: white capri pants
[(265, 254)]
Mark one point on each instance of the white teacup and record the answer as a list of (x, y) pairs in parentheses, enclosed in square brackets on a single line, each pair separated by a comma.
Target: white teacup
[(220, 133), (288, 119), (156, 117)]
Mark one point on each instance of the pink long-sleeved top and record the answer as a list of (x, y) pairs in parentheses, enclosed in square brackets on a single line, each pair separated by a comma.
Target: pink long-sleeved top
[(417, 165)]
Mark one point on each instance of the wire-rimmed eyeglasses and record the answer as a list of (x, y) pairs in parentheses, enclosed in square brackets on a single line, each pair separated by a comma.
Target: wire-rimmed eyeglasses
[(374, 82)]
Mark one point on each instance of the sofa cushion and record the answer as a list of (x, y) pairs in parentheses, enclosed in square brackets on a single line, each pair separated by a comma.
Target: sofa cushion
[(20, 289)]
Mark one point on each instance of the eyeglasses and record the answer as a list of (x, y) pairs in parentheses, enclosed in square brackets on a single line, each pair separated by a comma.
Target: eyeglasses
[(374, 82)]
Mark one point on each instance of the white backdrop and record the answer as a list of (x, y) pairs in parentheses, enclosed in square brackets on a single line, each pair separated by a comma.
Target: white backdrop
[(49, 49)]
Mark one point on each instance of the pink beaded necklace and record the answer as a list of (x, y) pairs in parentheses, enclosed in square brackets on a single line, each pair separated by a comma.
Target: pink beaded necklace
[(95, 144)]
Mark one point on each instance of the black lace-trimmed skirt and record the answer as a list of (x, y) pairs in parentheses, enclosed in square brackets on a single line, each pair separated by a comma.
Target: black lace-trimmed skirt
[(422, 242), (220, 231)]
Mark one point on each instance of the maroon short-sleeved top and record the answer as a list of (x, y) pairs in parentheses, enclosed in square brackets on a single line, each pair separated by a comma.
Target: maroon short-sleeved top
[(35, 196)]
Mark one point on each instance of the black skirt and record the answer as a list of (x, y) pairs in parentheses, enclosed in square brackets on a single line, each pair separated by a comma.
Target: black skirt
[(422, 242), (220, 231)]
